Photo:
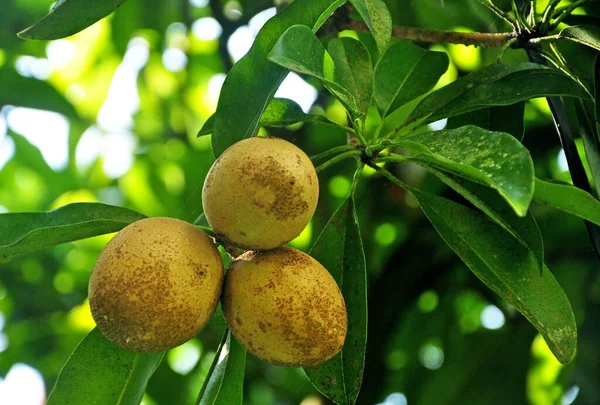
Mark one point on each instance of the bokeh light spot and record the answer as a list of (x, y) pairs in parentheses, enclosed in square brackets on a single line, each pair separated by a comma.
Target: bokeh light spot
[(184, 358), (386, 234), (428, 301), (492, 317), (339, 186)]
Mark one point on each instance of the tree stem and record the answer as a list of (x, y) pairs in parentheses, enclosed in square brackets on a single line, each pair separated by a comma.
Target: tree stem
[(484, 40)]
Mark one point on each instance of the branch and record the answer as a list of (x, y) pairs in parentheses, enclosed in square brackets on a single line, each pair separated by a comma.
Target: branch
[(481, 39)]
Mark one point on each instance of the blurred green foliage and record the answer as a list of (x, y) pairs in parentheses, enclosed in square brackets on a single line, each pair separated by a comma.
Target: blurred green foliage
[(436, 333)]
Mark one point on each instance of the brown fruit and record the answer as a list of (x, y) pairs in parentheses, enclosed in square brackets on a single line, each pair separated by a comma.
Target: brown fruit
[(260, 193), (155, 285), (284, 307)]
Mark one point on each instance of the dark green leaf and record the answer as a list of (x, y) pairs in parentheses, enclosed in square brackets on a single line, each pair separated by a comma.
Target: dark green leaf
[(30, 231), (494, 159), (18, 91), (281, 112), (588, 35), (101, 373), (508, 268), (225, 383), (339, 248), (68, 17), (377, 16), (300, 50), (353, 70), (507, 119), (253, 81), (495, 85), (207, 128), (525, 229), (404, 72), (569, 199)]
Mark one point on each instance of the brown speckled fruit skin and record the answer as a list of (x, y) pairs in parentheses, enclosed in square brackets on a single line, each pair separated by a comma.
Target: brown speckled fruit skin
[(155, 285), (260, 193), (284, 307)]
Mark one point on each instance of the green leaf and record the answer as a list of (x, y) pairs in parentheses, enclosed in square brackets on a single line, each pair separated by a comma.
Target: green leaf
[(30, 231), (68, 17), (377, 16), (224, 385), (404, 72), (353, 70), (101, 373), (18, 91), (495, 85), (494, 159), (506, 267), (507, 119), (525, 229), (253, 81), (281, 112), (339, 248), (300, 50), (588, 35), (569, 199)]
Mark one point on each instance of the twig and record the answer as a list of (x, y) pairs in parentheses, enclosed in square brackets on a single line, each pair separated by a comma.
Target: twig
[(484, 40), (563, 12)]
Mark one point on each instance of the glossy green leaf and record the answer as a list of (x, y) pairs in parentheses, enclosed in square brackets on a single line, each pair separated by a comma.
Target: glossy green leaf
[(569, 199), (300, 50), (495, 85), (525, 229), (507, 119), (494, 159), (30, 231), (404, 72), (339, 248), (588, 35), (226, 381), (377, 16), (253, 81), (18, 90), (68, 17), (508, 268), (101, 373), (353, 70), (281, 112)]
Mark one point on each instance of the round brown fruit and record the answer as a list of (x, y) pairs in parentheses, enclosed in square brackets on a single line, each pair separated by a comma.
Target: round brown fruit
[(260, 193), (284, 307), (155, 285)]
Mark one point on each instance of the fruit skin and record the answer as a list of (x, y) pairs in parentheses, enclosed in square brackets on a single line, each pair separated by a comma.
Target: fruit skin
[(260, 193), (155, 285), (284, 307)]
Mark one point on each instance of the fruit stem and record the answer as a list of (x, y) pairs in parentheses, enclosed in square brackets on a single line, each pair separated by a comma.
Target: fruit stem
[(335, 159)]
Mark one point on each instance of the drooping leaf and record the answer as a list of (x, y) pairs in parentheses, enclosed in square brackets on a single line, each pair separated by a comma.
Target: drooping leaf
[(507, 119), (495, 85), (253, 81), (339, 248), (18, 91), (280, 112), (68, 17), (404, 72), (525, 229), (224, 385), (101, 373), (353, 70), (27, 232), (377, 16), (494, 159), (300, 50), (588, 35), (569, 199), (508, 268)]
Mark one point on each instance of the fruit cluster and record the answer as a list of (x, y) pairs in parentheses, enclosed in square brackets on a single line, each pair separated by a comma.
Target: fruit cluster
[(159, 280)]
